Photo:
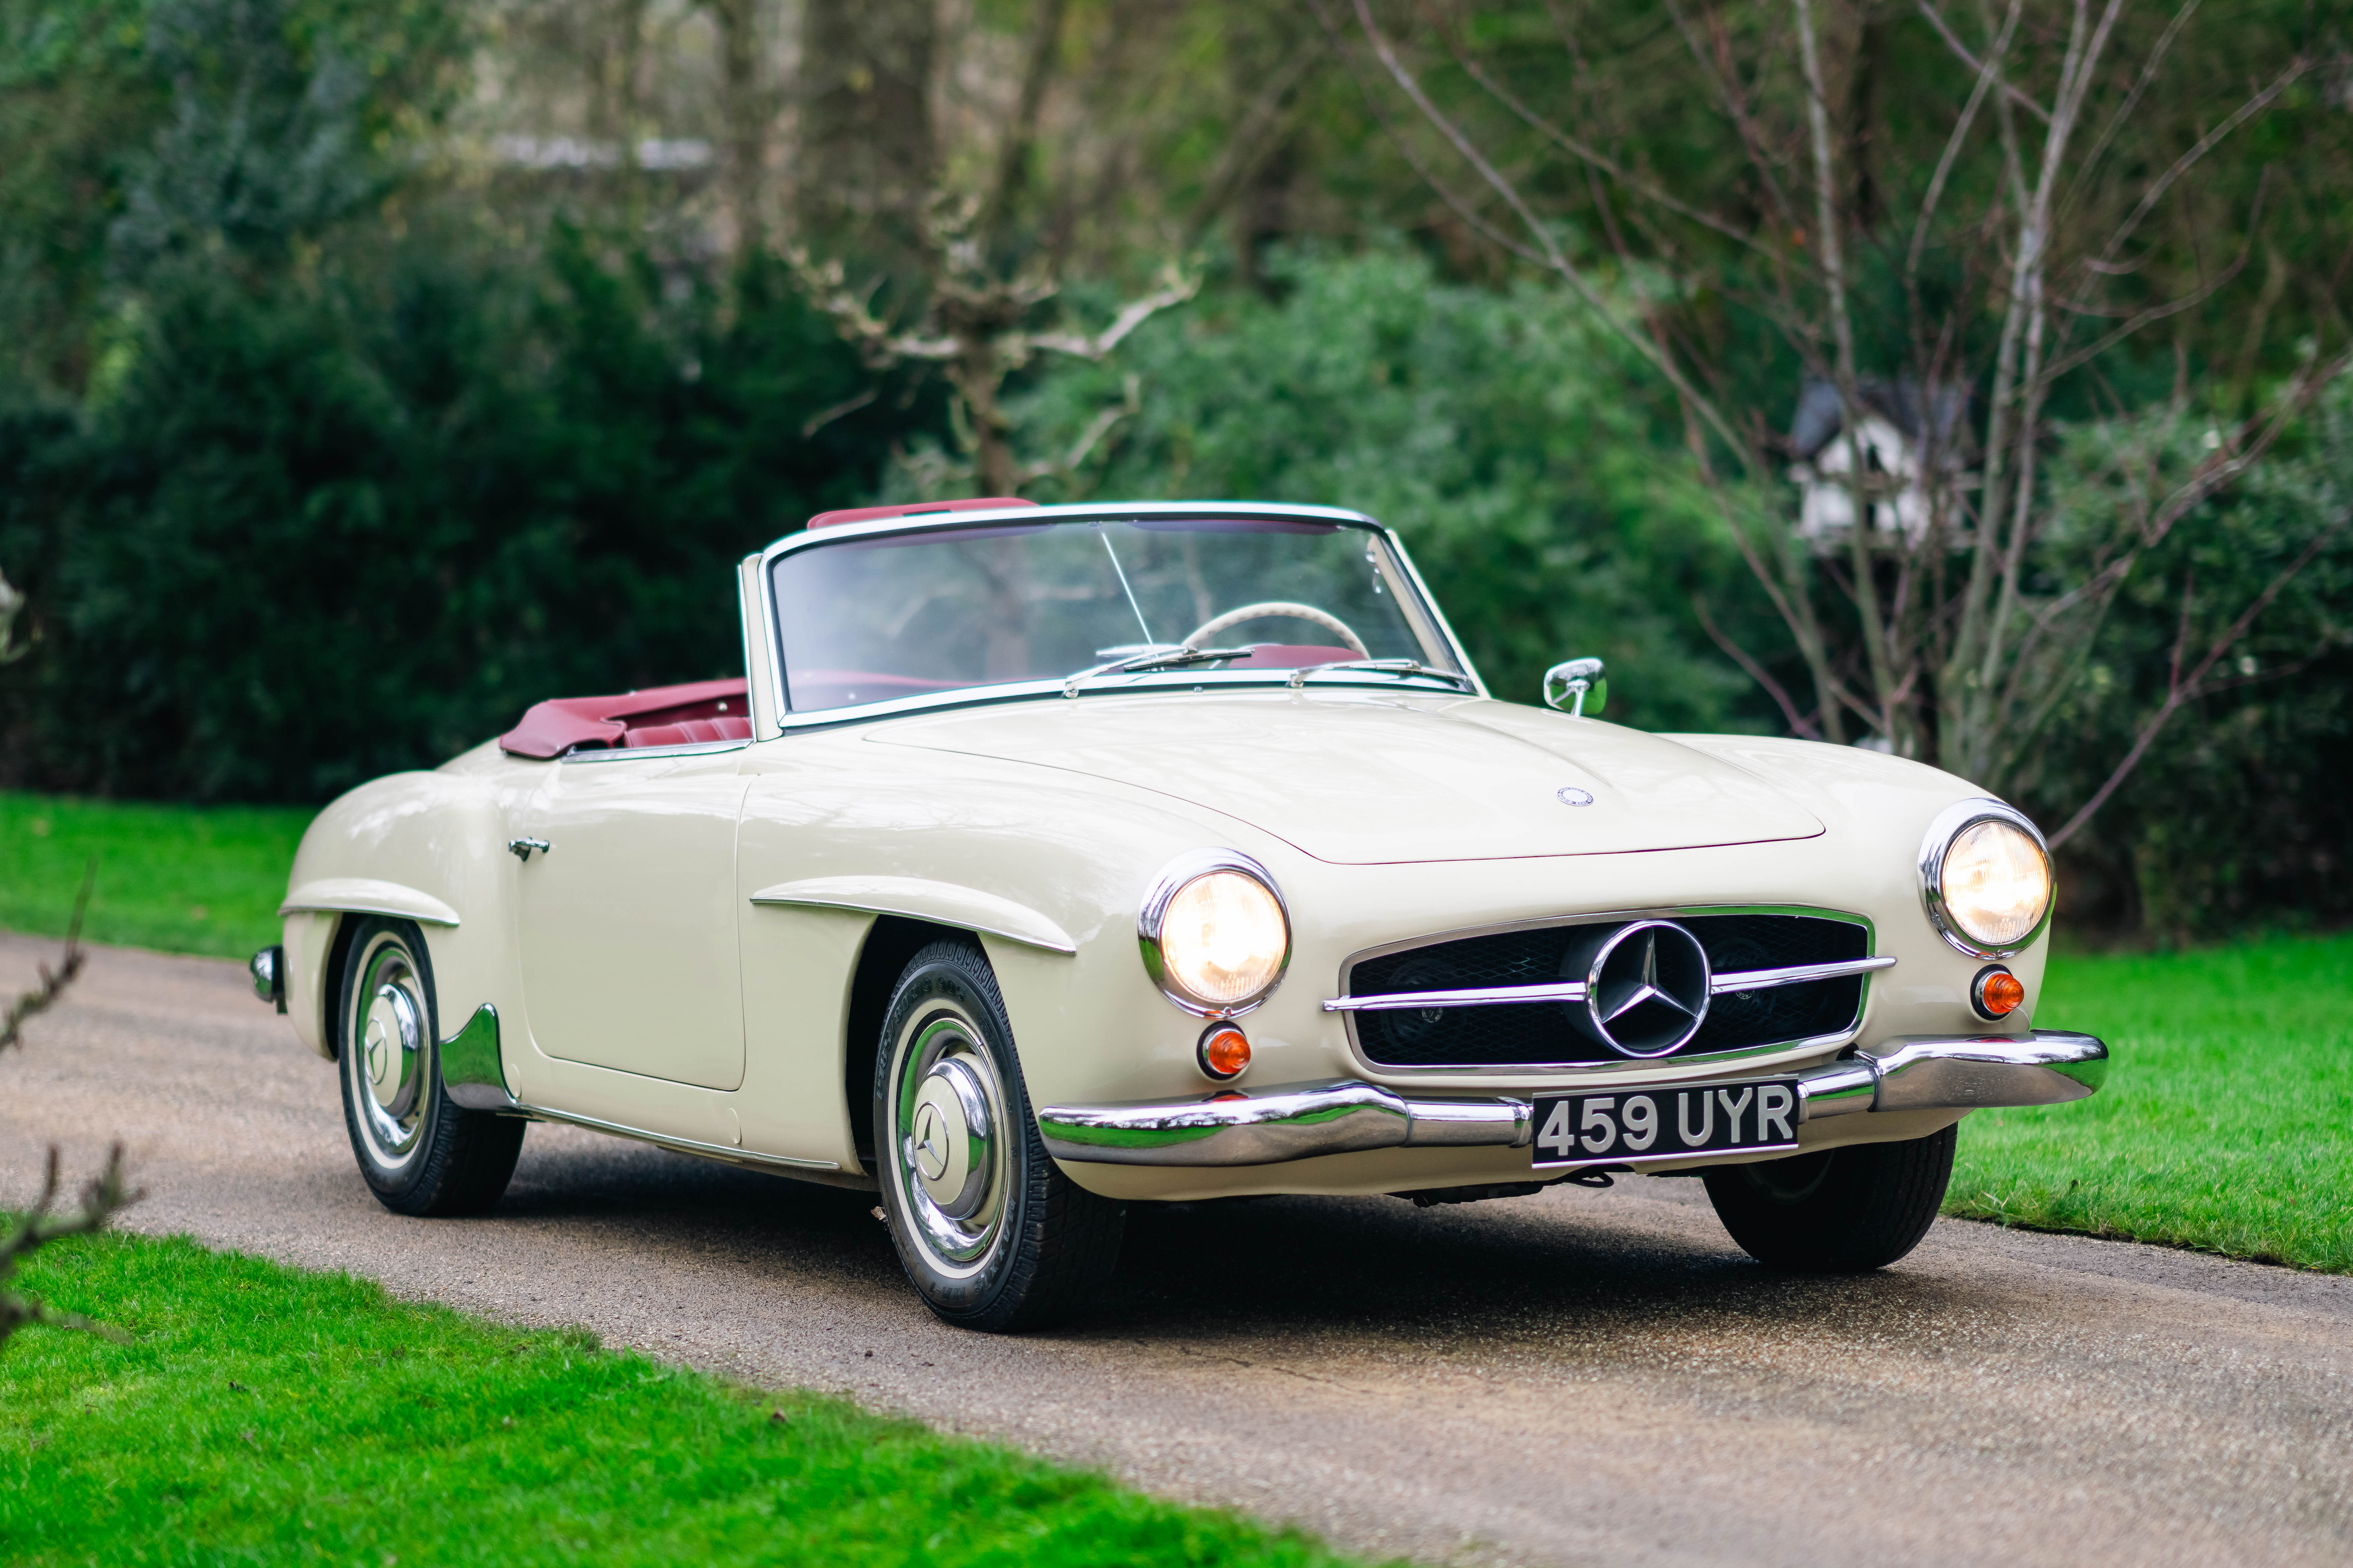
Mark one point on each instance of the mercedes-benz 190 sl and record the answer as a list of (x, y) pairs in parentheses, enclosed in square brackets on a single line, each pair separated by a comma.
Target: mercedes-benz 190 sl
[(1047, 861)]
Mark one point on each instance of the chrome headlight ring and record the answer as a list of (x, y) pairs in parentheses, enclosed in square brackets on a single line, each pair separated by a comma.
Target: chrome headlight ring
[(1171, 881), (1947, 827)]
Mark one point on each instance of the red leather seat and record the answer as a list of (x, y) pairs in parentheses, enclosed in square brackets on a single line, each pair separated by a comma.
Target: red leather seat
[(691, 732), (561, 724)]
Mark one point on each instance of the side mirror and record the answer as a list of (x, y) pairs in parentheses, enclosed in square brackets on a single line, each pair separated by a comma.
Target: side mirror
[(1577, 686)]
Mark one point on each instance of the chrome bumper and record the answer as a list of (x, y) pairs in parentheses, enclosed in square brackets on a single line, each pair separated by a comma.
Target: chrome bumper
[(1344, 1116)]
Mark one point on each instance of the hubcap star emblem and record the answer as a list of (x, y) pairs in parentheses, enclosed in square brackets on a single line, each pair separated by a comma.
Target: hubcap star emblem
[(929, 1157)]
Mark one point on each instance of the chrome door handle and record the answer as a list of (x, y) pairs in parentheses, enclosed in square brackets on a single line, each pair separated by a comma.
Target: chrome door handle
[(520, 848)]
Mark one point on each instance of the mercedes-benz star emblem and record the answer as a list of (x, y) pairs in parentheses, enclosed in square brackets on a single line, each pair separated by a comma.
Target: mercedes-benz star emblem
[(1646, 990), (930, 1142), (1569, 795)]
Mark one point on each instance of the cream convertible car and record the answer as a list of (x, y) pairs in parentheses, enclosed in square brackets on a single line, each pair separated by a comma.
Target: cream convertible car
[(1056, 858)]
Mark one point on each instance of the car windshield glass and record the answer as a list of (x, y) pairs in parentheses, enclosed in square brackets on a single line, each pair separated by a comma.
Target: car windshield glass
[(865, 620)]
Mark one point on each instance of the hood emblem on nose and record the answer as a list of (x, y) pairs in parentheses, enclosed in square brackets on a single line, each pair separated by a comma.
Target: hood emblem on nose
[(1569, 795)]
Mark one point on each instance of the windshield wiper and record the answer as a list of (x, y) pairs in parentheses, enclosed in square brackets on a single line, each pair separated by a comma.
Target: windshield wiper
[(1398, 665), (1175, 658)]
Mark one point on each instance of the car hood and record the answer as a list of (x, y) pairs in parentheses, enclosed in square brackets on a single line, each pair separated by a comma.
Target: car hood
[(1364, 779)]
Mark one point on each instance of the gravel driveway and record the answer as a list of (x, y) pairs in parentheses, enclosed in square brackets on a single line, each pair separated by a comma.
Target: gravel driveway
[(1573, 1377)]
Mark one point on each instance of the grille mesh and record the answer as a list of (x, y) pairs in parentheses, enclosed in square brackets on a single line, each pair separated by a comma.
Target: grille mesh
[(1531, 1032)]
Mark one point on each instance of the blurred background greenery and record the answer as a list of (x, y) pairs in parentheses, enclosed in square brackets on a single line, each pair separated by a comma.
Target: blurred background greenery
[(369, 371)]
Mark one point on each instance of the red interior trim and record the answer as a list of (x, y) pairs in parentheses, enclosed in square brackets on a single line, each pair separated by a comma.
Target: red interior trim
[(914, 509), (558, 725)]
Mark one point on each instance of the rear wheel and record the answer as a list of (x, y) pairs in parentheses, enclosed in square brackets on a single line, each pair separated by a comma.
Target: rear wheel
[(1842, 1211), (419, 1152), (991, 1233)]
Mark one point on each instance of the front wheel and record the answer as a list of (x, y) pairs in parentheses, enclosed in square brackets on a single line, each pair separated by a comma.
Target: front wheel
[(991, 1233), (419, 1152), (1840, 1211)]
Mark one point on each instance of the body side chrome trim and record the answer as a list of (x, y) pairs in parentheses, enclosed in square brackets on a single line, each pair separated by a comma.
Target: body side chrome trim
[(1341, 1116), (726, 1153), (945, 903), (366, 896)]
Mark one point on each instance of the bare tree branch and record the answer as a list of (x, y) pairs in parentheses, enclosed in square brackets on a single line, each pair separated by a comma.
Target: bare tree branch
[(101, 1198), (45, 995), (1988, 74), (1952, 42), (1799, 724), (2180, 690), (2205, 144)]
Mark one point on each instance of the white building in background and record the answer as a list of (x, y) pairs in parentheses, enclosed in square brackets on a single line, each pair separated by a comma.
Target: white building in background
[(1888, 448)]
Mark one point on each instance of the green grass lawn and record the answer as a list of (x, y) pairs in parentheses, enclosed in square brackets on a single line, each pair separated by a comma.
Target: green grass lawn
[(182, 879), (2226, 1124), (262, 1415)]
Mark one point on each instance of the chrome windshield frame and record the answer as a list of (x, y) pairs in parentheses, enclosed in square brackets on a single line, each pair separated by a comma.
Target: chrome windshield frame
[(1423, 610)]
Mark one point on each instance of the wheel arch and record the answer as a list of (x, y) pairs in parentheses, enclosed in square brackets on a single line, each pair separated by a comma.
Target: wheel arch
[(892, 942)]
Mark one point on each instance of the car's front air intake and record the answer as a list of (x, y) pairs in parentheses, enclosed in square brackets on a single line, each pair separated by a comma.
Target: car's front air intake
[(1774, 978)]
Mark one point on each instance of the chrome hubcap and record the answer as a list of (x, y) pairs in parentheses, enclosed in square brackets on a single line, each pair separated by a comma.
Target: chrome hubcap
[(947, 1115), (388, 1060)]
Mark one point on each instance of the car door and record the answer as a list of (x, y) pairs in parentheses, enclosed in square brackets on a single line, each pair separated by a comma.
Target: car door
[(627, 917)]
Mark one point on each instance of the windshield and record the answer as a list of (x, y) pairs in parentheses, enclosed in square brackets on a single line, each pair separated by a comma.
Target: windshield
[(909, 613)]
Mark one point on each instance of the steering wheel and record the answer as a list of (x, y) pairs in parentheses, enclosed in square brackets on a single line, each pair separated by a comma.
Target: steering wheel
[(1200, 635)]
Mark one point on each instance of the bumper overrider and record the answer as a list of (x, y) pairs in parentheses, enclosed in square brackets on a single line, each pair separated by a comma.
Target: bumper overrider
[(1342, 1116)]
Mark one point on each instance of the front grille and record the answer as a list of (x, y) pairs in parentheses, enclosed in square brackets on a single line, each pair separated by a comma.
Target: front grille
[(1540, 1033)]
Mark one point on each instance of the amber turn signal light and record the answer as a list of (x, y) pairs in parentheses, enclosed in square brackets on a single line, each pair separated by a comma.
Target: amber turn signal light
[(1224, 1052), (1998, 993)]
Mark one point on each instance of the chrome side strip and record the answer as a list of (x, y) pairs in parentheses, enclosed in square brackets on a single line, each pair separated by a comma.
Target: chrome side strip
[(724, 1152), (945, 903), (471, 1073), (1574, 990), (1342, 1116)]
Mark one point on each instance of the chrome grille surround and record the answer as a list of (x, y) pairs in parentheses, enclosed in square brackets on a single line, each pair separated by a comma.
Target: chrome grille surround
[(1793, 1045)]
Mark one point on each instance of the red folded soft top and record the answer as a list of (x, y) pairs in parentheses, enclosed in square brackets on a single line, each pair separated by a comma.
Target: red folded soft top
[(558, 725)]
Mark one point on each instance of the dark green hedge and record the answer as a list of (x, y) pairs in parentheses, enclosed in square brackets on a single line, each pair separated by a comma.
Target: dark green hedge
[(313, 533)]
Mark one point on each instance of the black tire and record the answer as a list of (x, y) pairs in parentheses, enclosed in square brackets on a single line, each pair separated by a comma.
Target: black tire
[(418, 1153), (1842, 1211), (991, 1233)]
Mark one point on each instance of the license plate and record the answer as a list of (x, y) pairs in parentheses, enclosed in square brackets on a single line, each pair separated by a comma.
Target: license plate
[(1629, 1126)]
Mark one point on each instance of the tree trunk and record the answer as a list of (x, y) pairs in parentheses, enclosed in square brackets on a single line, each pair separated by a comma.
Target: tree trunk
[(867, 156), (744, 112)]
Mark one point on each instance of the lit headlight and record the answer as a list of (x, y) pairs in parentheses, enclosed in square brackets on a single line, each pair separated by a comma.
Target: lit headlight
[(1987, 878), (1215, 934)]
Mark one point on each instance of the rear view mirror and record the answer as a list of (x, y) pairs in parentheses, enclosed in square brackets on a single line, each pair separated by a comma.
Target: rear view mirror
[(1576, 687)]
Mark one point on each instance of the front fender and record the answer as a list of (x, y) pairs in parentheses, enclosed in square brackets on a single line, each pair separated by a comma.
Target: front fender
[(424, 846)]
